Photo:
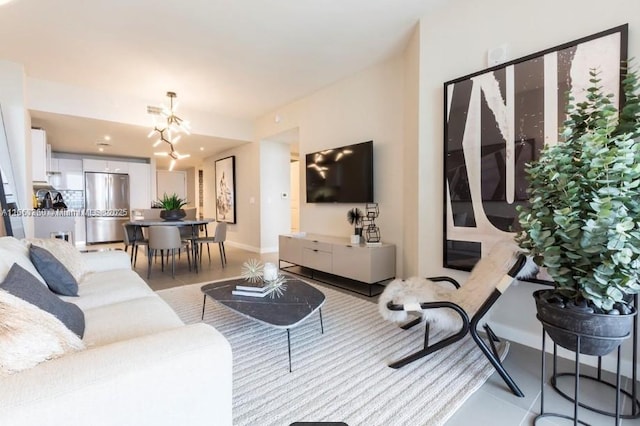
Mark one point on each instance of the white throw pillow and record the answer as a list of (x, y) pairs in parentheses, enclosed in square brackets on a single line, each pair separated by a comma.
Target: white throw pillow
[(65, 252), (29, 335), (13, 251)]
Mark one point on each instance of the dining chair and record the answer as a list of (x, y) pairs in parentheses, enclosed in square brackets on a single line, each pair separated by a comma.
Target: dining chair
[(219, 237), (133, 237), (162, 238)]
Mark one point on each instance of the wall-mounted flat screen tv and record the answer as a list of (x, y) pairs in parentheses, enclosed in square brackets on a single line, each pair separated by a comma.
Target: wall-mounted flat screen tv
[(341, 175)]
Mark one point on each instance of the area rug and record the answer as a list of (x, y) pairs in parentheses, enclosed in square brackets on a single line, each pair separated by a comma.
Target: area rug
[(341, 375)]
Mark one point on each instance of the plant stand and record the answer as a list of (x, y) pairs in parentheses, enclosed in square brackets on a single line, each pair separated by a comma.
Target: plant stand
[(578, 376)]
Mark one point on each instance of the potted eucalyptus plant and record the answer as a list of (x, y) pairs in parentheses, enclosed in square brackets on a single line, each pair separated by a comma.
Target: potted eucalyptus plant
[(172, 207), (582, 222)]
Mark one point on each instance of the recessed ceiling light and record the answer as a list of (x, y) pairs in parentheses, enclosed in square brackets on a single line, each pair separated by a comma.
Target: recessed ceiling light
[(107, 137), (202, 148), (102, 145)]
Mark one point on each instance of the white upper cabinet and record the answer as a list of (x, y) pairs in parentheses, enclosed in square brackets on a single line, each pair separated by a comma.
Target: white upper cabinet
[(109, 166), (68, 174)]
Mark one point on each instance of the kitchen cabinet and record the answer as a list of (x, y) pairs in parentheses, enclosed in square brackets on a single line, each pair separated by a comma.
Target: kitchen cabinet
[(39, 155), (140, 190), (66, 173), (95, 165)]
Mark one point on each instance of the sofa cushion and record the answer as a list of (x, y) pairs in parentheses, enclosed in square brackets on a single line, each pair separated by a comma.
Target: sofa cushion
[(128, 320), (57, 276), (13, 251), (105, 260), (104, 288), (29, 335), (65, 252), (22, 284)]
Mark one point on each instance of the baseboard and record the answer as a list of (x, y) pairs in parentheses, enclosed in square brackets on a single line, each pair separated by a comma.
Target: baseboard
[(252, 248)]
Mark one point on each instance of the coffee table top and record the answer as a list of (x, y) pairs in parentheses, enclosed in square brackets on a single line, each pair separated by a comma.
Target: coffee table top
[(296, 303)]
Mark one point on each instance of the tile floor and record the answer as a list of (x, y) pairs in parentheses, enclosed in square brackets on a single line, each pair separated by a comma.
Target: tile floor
[(493, 404)]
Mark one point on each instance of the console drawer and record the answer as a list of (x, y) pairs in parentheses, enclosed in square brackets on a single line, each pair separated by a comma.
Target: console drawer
[(317, 245), (317, 259), (290, 249)]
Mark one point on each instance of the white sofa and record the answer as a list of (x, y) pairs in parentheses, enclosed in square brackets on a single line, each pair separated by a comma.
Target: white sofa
[(141, 365)]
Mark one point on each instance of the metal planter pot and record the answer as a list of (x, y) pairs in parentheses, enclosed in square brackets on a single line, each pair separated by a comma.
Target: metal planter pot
[(599, 333)]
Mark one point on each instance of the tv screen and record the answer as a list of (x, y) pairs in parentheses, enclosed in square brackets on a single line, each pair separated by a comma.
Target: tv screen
[(341, 175)]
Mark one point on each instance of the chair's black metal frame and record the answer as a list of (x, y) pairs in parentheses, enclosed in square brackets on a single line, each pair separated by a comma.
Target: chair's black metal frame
[(136, 238), (468, 326)]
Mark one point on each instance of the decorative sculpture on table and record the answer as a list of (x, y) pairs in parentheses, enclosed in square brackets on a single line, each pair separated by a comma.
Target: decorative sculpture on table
[(263, 280), (372, 232)]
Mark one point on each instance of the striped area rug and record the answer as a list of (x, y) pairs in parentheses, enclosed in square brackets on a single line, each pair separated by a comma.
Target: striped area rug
[(341, 375)]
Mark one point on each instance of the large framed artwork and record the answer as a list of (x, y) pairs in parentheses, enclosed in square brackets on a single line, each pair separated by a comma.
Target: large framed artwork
[(497, 120), (226, 189)]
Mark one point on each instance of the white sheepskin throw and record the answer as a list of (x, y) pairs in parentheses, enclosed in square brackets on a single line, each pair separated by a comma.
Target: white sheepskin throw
[(29, 335), (483, 280)]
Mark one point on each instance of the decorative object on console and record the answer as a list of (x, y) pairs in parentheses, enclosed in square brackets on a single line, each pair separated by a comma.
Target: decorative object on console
[(493, 118), (226, 189), (172, 207), (372, 232), (167, 128), (354, 217)]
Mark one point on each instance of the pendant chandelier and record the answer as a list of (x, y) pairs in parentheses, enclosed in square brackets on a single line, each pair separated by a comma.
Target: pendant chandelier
[(169, 128)]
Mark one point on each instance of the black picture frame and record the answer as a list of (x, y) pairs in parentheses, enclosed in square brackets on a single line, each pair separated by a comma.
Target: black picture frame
[(496, 120), (225, 175)]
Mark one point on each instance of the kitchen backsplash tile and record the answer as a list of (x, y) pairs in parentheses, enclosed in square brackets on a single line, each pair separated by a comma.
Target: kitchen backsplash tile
[(73, 199)]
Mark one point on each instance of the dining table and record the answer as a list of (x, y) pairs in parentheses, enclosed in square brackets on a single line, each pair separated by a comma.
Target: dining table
[(195, 225)]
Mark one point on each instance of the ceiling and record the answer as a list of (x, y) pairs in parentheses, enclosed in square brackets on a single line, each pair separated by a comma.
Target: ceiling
[(67, 133), (235, 58)]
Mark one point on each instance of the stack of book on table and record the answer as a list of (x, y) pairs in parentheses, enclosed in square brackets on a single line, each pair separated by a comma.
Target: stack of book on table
[(258, 289)]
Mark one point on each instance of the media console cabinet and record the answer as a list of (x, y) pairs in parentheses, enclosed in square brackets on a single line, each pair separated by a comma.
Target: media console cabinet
[(337, 257)]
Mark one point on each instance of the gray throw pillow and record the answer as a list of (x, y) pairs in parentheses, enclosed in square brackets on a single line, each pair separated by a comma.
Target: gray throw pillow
[(55, 274), (20, 283)]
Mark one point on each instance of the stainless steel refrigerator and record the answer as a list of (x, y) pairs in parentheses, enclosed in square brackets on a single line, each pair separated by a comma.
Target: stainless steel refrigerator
[(106, 203)]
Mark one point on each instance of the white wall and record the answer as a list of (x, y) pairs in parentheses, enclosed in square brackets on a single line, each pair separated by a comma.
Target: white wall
[(246, 232), (366, 106), (275, 211), (17, 124), (192, 186), (453, 42), (411, 220)]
